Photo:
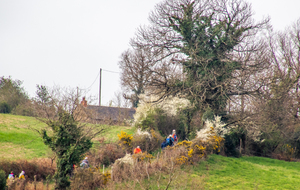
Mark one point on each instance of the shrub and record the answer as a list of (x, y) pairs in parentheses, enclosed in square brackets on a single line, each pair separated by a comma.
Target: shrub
[(28, 185), (127, 159), (143, 157), (12, 93), (197, 149), (106, 154), (5, 107), (162, 116), (91, 178), (69, 141), (133, 171), (170, 106), (40, 167), (191, 151), (148, 141), (288, 152), (232, 141), (2, 180), (125, 141), (135, 167), (215, 126), (25, 109)]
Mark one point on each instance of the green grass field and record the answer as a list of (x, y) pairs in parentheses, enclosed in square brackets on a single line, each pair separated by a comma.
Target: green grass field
[(18, 141), (248, 173), (219, 172)]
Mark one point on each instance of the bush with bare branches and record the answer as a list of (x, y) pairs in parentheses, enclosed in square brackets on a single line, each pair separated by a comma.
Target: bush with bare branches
[(41, 168)]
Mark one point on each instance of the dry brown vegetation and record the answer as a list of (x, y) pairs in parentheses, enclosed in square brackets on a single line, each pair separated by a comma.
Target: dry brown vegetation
[(41, 167)]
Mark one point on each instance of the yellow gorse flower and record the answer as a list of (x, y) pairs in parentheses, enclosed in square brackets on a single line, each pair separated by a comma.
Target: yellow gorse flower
[(190, 152), (184, 143), (125, 139), (181, 160), (143, 156)]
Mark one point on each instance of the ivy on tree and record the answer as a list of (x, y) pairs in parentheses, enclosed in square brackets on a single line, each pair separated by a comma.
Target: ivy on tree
[(69, 145), (201, 38)]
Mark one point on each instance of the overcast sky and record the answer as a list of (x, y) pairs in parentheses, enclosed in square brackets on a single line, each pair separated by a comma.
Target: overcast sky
[(66, 42)]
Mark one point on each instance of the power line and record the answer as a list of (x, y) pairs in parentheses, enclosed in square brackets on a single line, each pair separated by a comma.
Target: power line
[(92, 83), (110, 71), (97, 78)]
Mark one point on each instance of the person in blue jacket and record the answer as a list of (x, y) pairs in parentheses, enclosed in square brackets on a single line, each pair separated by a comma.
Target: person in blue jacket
[(170, 141), (163, 144)]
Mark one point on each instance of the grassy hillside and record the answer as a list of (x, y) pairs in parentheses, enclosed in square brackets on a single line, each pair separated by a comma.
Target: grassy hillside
[(248, 173), (219, 172), (17, 141)]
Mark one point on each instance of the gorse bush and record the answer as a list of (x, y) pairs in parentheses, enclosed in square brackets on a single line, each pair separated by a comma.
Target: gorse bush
[(191, 152), (148, 141), (135, 171), (143, 165), (91, 178), (216, 141), (125, 141), (145, 156), (139, 171), (287, 153), (213, 133)]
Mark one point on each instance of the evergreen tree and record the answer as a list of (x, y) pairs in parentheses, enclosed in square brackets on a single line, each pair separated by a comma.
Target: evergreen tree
[(206, 43), (68, 143)]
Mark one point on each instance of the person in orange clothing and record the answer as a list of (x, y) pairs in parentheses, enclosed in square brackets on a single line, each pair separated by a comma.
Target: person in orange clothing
[(137, 150)]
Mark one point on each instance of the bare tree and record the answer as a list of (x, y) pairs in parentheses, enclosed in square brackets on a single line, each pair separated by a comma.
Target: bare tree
[(120, 101), (283, 91), (136, 66), (274, 111)]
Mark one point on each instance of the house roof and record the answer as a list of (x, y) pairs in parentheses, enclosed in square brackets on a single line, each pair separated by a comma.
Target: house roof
[(112, 113)]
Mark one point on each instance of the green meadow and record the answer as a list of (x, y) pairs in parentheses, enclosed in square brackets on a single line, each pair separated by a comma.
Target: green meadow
[(249, 173), (219, 172), (19, 140)]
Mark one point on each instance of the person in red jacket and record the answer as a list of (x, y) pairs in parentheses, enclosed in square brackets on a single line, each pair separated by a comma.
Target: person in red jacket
[(174, 136), (137, 150)]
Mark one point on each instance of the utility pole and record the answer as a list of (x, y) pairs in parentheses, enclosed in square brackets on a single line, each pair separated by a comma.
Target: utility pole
[(77, 100), (100, 88)]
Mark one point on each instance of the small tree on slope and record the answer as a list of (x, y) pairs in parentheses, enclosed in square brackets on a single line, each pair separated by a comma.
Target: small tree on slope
[(69, 145), (67, 134)]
